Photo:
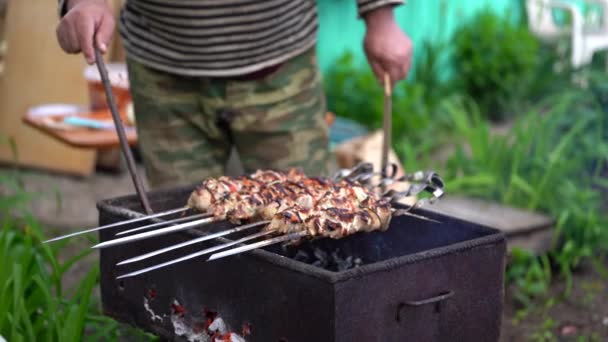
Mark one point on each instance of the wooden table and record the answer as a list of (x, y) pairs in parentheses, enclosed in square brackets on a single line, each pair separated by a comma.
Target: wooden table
[(81, 137)]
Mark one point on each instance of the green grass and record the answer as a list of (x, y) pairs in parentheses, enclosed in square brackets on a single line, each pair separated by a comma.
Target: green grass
[(34, 306), (551, 162)]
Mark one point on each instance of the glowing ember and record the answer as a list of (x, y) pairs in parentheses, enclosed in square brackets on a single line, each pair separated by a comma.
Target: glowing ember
[(178, 309), (182, 328), (212, 329), (152, 293)]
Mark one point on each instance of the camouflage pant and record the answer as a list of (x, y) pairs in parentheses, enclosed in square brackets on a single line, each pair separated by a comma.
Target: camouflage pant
[(188, 125)]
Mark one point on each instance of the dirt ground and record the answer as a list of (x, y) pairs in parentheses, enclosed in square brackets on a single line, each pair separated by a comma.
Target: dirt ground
[(582, 316)]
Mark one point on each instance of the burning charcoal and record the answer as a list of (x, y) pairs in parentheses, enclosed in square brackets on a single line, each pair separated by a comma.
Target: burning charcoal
[(199, 328), (320, 254), (345, 264), (319, 264), (302, 256), (342, 265), (209, 315), (151, 294), (358, 262), (339, 263), (177, 309), (246, 329), (332, 260), (229, 337), (179, 326)]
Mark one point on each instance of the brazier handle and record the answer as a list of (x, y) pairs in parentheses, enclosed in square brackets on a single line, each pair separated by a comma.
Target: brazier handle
[(433, 300)]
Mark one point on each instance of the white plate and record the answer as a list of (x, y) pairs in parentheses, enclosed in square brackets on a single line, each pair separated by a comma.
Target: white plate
[(55, 109)]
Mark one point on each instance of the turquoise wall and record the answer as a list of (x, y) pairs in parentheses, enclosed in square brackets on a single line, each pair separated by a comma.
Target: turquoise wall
[(340, 30)]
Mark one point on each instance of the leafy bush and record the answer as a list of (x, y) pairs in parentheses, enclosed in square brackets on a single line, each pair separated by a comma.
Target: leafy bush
[(550, 161), (530, 274), (495, 62)]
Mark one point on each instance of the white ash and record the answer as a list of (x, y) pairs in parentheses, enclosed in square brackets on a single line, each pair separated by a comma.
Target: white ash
[(182, 328), (218, 325), (153, 315)]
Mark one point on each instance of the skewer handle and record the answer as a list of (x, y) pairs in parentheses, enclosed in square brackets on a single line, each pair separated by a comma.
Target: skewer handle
[(387, 85), (386, 144), (122, 137)]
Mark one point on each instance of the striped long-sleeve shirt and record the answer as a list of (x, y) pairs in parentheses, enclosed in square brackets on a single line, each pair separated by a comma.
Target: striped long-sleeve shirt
[(220, 37)]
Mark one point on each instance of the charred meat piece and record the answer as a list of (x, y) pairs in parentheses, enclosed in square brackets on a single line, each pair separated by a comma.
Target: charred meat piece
[(213, 190), (332, 222)]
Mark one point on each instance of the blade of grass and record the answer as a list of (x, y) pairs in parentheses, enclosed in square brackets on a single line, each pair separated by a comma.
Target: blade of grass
[(79, 307), (67, 265), (26, 319), (552, 160), (52, 308)]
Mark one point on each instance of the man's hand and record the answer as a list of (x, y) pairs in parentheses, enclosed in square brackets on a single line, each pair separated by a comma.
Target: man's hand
[(387, 47), (87, 22)]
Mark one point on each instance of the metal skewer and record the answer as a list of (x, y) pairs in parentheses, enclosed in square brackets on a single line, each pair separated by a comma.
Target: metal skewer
[(233, 251), (278, 239), (287, 237), (205, 238), (112, 225), (120, 130), (157, 232), (197, 254), (407, 213), (153, 225), (190, 242)]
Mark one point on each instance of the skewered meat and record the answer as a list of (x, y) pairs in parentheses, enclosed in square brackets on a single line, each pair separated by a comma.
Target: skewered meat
[(294, 203), (253, 199), (214, 189), (333, 222)]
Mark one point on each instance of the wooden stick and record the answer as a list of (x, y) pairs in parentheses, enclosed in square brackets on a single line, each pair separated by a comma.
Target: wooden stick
[(386, 144)]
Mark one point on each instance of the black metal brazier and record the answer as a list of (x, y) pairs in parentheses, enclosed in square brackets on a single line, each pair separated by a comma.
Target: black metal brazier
[(418, 281)]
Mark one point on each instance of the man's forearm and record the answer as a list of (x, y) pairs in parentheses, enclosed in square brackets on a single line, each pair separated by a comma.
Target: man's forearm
[(366, 7), (378, 15), (387, 48)]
